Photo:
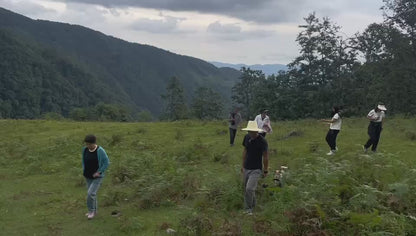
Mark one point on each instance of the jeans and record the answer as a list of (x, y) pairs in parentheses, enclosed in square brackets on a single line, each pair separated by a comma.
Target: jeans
[(374, 131), (92, 186), (251, 178), (232, 135), (331, 138)]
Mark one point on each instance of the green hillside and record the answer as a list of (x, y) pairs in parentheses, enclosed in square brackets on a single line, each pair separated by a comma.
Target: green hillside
[(184, 176), (136, 74), (37, 80)]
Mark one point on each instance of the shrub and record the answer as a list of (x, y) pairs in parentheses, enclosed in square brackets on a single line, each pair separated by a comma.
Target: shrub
[(196, 224), (115, 139), (52, 116)]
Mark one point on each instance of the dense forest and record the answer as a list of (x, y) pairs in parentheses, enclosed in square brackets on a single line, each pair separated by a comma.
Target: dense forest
[(48, 67), (377, 65)]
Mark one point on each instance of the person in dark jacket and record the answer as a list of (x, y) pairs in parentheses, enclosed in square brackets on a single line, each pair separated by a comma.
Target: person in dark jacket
[(235, 120), (94, 164)]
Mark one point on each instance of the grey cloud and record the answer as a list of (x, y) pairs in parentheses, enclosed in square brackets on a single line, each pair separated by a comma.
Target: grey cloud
[(217, 27), (28, 8), (168, 24), (263, 11), (235, 32)]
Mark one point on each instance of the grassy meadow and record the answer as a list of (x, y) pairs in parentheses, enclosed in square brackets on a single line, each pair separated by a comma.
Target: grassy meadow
[(185, 176)]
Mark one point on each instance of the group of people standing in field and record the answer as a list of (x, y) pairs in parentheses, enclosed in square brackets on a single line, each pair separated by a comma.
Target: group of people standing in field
[(255, 157), (375, 116)]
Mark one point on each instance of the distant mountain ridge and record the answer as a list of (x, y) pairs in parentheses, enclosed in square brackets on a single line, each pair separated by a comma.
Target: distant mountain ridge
[(78, 60), (268, 69)]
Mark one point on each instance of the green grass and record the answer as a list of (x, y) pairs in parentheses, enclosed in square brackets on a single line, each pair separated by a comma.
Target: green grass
[(185, 176)]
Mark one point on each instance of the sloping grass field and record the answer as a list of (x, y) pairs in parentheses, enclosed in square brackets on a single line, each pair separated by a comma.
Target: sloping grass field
[(184, 177)]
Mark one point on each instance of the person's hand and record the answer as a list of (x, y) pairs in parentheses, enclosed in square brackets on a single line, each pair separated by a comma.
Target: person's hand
[(96, 175), (265, 173)]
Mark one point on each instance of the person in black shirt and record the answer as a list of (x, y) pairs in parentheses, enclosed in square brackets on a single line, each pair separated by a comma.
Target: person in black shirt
[(255, 163), (94, 163)]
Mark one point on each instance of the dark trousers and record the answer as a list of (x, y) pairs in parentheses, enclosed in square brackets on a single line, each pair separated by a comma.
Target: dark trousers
[(331, 138), (233, 132), (374, 131)]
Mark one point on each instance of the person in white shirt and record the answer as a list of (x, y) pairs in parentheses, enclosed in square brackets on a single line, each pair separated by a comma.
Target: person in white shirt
[(376, 117), (334, 128), (263, 122)]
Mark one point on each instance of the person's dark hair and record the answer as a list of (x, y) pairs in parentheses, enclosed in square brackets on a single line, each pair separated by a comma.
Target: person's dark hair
[(90, 138), (335, 110), (264, 111)]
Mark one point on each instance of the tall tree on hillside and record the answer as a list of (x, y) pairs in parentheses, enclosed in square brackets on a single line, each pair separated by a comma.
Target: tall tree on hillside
[(175, 107), (390, 52), (325, 58), (207, 104), (402, 14), (244, 91)]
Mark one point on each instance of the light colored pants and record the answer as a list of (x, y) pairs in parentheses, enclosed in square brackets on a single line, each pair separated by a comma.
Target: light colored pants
[(251, 178), (92, 186)]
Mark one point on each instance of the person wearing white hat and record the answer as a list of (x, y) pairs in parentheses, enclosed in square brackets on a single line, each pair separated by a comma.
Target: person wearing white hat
[(376, 117), (255, 163)]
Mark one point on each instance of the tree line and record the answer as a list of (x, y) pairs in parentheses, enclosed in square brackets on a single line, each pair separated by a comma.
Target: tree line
[(356, 72)]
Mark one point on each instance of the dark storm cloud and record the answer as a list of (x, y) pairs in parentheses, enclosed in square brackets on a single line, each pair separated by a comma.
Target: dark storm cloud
[(262, 11)]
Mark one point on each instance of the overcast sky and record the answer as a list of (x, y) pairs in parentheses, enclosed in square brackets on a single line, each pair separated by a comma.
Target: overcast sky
[(230, 31)]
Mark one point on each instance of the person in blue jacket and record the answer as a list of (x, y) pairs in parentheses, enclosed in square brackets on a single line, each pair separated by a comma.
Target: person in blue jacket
[(94, 163)]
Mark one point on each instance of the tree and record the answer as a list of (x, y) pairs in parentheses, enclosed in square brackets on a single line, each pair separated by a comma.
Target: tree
[(207, 104), (325, 59), (243, 93), (175, 108), (402, 14), (389, 71)]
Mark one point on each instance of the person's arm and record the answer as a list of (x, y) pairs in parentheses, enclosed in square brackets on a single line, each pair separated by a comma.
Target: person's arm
[(82, 158), (265, 163), (329, 121), (334, 119), (372, 116), (244, 159), (238, 119), (103, 162)]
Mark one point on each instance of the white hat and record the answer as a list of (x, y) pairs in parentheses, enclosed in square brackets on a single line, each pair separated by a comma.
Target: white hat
[(252, 126), (381, 107)]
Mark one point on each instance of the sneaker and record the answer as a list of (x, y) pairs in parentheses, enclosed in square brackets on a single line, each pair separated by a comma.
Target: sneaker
[(330, 153), (91, 215), (365, 149), (248, 212)]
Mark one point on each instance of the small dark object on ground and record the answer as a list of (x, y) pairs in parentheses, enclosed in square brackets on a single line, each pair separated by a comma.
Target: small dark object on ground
[(115, 213)]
